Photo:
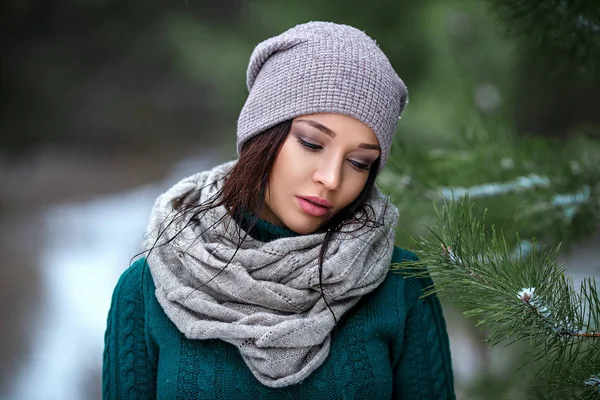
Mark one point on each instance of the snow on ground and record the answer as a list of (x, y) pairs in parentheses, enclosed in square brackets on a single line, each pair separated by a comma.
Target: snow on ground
[(88, 245)]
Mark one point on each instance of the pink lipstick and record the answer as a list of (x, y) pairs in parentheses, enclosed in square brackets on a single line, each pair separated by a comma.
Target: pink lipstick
[(314, 206)]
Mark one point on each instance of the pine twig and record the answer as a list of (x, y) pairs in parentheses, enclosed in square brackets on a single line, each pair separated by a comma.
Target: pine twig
[(518, 298)]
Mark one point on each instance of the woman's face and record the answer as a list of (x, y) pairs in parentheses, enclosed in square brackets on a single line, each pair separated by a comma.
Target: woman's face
[(322, 167)]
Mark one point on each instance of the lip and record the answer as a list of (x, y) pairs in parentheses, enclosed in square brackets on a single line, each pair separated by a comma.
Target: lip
[(317, 200), (312, 207)]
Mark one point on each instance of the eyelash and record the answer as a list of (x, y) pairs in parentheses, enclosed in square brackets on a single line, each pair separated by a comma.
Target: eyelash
[(315, 147), (309, 146)]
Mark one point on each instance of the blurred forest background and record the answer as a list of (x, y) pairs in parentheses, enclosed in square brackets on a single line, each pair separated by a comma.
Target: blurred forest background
[(107, 103)]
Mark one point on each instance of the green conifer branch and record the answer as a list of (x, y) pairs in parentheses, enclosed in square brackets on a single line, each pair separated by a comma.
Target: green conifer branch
[(514, 296), (544, 189)]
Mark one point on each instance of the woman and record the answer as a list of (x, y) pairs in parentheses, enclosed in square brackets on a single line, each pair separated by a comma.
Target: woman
[(267, 277)]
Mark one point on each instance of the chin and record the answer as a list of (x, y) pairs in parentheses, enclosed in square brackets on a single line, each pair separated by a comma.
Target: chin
[(305, 227)]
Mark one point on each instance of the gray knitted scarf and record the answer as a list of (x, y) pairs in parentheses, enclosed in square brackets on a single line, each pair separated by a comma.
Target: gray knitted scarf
[(264, 298)]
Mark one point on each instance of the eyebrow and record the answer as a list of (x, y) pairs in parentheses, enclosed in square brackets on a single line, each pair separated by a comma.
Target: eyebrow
[(332, 134)]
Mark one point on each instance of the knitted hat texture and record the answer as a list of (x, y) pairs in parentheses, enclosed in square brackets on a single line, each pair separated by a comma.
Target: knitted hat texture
[(322, 67)]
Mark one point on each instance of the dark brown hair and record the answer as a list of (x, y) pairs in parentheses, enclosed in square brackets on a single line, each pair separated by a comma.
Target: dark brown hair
[(245, 187)]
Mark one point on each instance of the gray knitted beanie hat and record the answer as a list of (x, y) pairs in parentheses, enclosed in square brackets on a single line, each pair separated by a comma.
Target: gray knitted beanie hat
[(322, 67)]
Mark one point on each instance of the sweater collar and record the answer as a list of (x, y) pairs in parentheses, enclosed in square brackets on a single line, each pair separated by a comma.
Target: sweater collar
[(262, 230)]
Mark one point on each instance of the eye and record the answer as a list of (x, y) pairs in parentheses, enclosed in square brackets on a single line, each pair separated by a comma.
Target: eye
[(309, 146), (359, 165)]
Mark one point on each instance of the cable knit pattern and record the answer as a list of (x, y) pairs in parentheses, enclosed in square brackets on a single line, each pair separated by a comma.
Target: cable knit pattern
[(126, 372), (190, 369), (441, 339), (108, 360), (362, 377), (128, 349), (391, 345), (426, 342), (435, 339), (434, 359)]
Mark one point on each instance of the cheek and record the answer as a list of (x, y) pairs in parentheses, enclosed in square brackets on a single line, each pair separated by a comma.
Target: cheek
[(287, 169), (292, 161), (353, 187)]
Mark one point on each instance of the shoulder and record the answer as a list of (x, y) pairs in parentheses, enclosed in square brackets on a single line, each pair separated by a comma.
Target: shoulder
[(399, 291), (401, 255), (134, 283), (395, 276), (397, 273), (391, 302)]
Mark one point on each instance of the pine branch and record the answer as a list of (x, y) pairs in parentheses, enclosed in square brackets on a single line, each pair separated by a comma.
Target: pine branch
[(515, 297), (544, 189)]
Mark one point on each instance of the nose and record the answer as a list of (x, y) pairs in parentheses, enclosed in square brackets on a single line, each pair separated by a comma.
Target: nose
[(329, 174)]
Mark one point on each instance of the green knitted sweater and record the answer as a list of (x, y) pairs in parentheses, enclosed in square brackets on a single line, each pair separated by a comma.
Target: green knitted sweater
[(392, 345)]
